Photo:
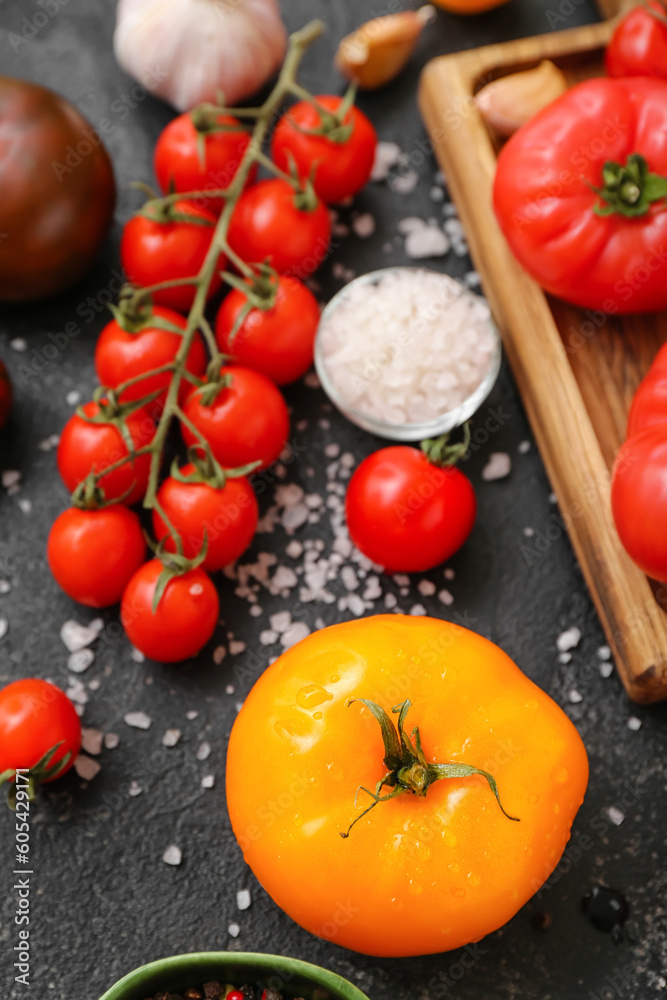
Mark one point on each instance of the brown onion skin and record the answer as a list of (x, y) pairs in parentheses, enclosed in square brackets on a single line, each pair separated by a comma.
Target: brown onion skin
[(57, 206)]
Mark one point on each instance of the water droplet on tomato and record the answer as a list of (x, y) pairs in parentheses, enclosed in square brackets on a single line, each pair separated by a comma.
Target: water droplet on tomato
[(334, 679), (560, 775), (606, 909), (533, 797), (312, 695), (318, 715)]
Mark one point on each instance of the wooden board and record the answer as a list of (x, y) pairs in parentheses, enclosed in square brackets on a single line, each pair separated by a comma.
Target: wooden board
[(576, 399)]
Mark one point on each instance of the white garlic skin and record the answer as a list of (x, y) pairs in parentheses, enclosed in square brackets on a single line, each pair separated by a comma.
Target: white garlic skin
[(188, 51)]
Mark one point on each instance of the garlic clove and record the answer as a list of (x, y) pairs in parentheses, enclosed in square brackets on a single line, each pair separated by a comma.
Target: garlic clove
[(377, 51), (509, 102)]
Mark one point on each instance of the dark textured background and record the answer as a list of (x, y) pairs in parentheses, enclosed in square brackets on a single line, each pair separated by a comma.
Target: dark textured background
[(105, 900)]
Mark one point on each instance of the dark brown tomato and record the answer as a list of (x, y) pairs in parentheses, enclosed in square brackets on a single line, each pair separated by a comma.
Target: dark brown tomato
[(58, 192)]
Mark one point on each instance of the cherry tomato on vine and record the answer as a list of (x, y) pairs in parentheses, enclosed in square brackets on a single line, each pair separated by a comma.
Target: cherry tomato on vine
[(122, 354), (227, 515), (278, 341), (94, 553), (638, 46), (153, 250), (34, 716), (407, 514), (247, 421), (639, 499), (87, 447), (183, 621), (289, 229), (192, 158), (342, 156)]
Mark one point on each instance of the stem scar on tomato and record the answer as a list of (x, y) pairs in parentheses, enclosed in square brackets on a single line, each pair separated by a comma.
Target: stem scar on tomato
[(408, 769)]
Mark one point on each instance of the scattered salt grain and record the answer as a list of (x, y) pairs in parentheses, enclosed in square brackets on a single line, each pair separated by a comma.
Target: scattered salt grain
[(191, 714), (634, 723), (4, 627), (280, 621), (243, 899), (295, 633), (616, 816), (604, 652), (436, 193), (417, 609), (267, 637), (203, 751), (233, 930), (219, 654), (73, 398), (311, 381), (138, 720), (18, 344), (173, 855), (111, 740), (564, 657), (86, 768), (76, 636), (332, 450), (364, 225), (208, 781), (568, 639), (524, 447), (404, 182), (256, 611), (498, 466), (137, 655), (294, 549), (356, 605), (401, 580), (426, 588), (349, 578), (10, 477), (79, 661), (91, 741), (387, 155), (448, 574), (606, 669), (25, 505), (229, 689), (171, 737), (529, 532), (390, 601), (429, 241), (236, 646), (574, 696), (410, 224), (5, 586), (135, 789), (445, 597)]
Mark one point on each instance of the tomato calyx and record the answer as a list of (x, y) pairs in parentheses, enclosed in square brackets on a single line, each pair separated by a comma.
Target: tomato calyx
[(629, 190), (659, 15), (259, 288), (135, 313), (207, 470), (214, 384), (89, 495), (40, 772), (166, 210), (444, 452), (332, 123), (408, 769), (174, 564)]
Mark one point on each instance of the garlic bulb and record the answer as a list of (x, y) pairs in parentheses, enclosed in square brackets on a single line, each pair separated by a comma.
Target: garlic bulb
[(509, 102), (190, 51)]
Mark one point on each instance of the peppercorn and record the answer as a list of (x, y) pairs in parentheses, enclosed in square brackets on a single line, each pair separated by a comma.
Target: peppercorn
[(192, 993), (213, 990)]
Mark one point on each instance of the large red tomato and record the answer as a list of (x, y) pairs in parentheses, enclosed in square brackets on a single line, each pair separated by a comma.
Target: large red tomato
[(247, 421), (121, 355), (58, 192), (86, 447), (272, 222), (277, 341), (638, 46), (154, 250), (341, 156), (580, 195), (198, 152)]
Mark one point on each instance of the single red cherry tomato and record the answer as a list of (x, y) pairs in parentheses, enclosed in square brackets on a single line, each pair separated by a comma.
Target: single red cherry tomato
[(273, 222), (5, 394), (247, 421), (342, 157), (638, 46), (639, 499), (227, 515), (278, 341), (183, 621), (94, 553), (153, 250), (121, 355), (649, 406), (407, 514), (198, 152), (35, 716), (86, 447)]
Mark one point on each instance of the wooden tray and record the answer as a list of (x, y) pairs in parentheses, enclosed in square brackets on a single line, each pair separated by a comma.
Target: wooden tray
[(577, 400)]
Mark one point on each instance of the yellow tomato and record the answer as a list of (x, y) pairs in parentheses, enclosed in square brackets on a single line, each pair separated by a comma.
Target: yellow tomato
[(468, 6), (439, 864)]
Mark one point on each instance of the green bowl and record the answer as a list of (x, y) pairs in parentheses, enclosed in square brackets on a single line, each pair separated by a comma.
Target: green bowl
[(289, 976)]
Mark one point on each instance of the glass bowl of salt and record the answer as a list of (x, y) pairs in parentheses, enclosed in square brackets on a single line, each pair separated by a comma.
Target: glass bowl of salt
[(407, 353)]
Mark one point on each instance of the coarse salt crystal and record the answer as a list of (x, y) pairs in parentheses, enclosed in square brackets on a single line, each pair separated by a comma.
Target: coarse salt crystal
[(173, 855), (568, 639), (408, 347), (498, 466), (138, 720), (243, 899)]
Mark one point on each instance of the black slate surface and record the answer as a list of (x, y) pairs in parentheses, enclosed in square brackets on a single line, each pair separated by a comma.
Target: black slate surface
[(104, 901)]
